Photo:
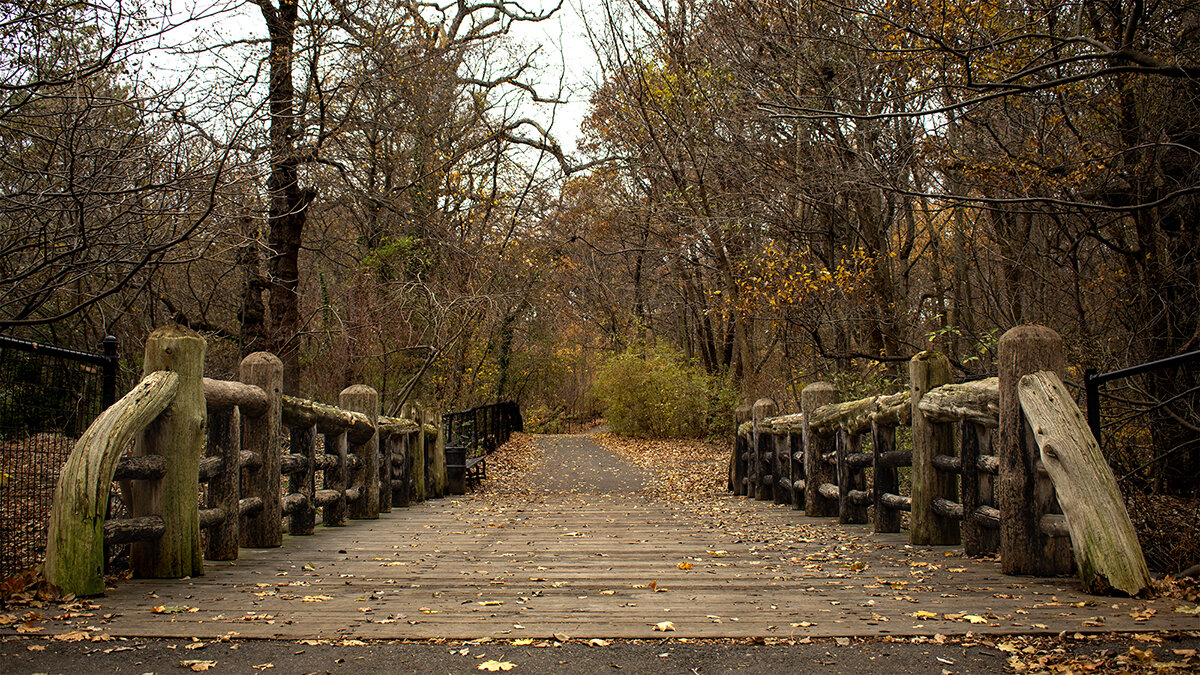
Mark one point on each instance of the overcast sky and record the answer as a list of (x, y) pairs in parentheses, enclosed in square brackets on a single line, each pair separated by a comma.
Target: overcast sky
[(565, 44)]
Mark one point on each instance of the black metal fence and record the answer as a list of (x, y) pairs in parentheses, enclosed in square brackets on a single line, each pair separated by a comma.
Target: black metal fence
[(48, 397), (484, 428), (1146, 419)]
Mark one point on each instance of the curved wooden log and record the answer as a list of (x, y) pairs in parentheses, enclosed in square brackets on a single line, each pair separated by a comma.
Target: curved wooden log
[(75, 540), (977, 402), (329, 419), (1104, 542), (224, 394)]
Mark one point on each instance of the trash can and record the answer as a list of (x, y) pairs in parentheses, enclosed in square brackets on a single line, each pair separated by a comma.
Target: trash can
[(456, 469)]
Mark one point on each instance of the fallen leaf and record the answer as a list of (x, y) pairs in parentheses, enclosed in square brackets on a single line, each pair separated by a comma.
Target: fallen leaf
[(685, 565), (198, 666), (562, 637), (664, 626), (597, 642), (173, 609), (494, 665)]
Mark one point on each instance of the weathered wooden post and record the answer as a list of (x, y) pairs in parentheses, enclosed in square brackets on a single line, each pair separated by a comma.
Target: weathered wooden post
[(416, 455), (337, 452), (929, 370), (741, 449), (1026, 494), (386, 446), (977, 491), (795, 451), (177, 435), (439, 452), (261, 436), (364, 399), (884, 477), (850, 478), (302, 489), (781, 466), (225, 443), (763, 450), (401, 480), (816, 470)]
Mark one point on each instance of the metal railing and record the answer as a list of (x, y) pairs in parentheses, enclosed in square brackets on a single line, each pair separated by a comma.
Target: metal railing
[(48, 397)]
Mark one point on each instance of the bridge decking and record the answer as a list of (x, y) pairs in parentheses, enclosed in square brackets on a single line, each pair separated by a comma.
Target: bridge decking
[(607, 565)]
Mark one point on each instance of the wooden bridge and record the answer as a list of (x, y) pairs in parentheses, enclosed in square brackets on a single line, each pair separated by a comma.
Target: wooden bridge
[(585, 545), (598, 557)]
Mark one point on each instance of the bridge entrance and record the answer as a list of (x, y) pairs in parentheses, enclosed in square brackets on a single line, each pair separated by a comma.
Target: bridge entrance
[(569, 539)]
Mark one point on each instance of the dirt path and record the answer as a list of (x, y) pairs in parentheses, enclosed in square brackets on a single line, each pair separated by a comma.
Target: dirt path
[(579, 465)]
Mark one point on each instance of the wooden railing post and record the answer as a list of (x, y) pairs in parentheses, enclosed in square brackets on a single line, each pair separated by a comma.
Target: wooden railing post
[(416, 454), (364, 399), (1025, 494), (741, 450), (386, 445), (401, 478), (302, 513), (850, 479), (885, 477), (977, 490), (177, 435), (816, 470), (763, 451), (336, 446), (261, 436), (795, 452), (225, 442), (781, 467), (929, 370), (438, 465)]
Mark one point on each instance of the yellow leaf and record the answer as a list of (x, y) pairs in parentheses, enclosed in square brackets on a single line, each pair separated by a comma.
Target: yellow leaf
[(522, 642), (197, 665), (664, 626), (922, 614), (494, 665), (975, 618), (685, 565)]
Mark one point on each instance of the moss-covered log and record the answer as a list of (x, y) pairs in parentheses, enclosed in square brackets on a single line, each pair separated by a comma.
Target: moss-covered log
[(75, 543), (977, 402), (1105, 544)]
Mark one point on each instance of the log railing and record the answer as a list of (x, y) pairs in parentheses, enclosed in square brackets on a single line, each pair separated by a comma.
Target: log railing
[(978, 475), (194, 435)]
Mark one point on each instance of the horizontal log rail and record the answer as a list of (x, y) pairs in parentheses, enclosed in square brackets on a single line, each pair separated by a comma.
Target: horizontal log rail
[(963, 439), (222, 439)]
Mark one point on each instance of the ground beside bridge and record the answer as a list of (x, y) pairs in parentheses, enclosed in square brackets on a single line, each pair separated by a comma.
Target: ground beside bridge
[(571, 542)]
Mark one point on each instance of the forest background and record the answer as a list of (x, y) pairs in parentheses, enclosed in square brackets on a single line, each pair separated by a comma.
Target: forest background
[(763, 193)]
